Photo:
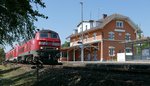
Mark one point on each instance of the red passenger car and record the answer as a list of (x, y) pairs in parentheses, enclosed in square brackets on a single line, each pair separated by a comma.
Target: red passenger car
[(45, 46)]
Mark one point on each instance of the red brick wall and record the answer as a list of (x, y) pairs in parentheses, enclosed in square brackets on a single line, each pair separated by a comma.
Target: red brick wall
[(119, 36), (110, 27)]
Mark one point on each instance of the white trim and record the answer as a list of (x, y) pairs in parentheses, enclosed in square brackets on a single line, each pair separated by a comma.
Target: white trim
[(111, 47), (119, 30), (95, 41)]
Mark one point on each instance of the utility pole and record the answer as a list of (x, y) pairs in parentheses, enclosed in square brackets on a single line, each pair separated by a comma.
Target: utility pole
[(82, 46)]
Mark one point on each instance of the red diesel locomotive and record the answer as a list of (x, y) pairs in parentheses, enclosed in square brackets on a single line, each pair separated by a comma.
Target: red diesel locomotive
[(45, 46)]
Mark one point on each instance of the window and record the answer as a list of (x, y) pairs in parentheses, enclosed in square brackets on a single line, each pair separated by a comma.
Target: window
[(54, 35), (128, 50), (127, 36), (81, 29), (119, 24), (86, 27), (44, 35), (94, 36), (111, 35), (111, 51)]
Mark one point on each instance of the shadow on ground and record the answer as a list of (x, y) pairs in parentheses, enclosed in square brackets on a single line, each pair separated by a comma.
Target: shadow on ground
[(8, 70), (74, 76), (85, 77), (25, 79)]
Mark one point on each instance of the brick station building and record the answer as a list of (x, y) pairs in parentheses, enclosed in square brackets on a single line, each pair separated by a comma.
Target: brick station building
[(101, 39)]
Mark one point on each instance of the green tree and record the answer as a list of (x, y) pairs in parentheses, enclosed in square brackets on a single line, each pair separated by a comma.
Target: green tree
[(2, 55), (17, 19), (66, 44)]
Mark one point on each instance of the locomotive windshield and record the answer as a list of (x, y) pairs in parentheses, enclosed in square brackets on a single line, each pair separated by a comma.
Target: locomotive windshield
[(44, 35), (54, 35), (49, 35)]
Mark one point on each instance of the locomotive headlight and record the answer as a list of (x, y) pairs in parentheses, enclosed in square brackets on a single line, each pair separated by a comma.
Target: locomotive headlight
[(41, 47)]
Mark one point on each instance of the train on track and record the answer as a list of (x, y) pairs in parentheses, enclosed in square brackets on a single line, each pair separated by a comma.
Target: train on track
[(45, 46)]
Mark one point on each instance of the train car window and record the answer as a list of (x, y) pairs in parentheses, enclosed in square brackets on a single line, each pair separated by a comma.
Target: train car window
[(44, 35), (54, 35)]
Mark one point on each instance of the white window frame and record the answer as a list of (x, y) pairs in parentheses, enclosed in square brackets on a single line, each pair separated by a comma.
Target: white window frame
[(119, 24), (111, 51), (111, 35)]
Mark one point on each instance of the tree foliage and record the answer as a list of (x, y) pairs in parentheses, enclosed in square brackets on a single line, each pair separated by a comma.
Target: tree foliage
[(66, 44), (17, 19), (2, 55)]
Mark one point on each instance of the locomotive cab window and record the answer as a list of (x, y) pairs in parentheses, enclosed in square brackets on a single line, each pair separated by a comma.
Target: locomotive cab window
[(44, 35), (54, 35)]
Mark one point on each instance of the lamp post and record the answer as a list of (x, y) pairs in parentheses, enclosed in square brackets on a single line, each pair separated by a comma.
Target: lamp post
[(82, 46)]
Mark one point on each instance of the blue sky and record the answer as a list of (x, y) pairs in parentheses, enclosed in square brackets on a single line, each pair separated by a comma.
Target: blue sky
[(64, 15)]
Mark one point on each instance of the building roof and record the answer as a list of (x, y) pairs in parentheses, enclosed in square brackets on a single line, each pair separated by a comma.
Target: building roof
[(108, 19)]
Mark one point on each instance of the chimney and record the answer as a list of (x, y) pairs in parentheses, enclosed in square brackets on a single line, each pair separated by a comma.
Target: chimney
[(104, 16)]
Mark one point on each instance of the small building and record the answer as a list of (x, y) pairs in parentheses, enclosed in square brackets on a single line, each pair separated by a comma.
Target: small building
[(101, 39)]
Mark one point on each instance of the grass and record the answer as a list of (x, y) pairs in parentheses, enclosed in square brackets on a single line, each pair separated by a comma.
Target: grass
[(16, 76), (3, 67)]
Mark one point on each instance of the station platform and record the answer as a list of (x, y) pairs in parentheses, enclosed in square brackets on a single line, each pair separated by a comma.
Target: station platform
[(128, 66)]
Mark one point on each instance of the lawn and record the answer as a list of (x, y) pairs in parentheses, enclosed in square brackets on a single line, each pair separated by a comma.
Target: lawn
[(16, 76)]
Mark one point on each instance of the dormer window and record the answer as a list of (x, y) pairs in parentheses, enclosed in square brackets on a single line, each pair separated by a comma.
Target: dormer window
[(86, 27), (119, 24)]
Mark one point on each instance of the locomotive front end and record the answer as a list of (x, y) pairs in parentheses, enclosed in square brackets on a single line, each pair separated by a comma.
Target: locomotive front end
[(48, 44)]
